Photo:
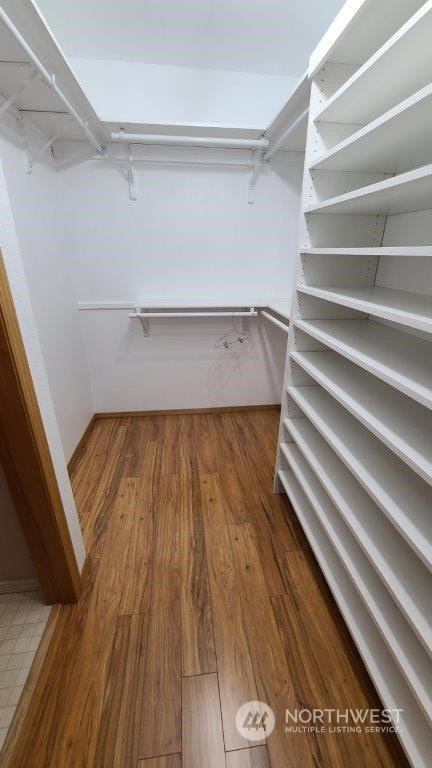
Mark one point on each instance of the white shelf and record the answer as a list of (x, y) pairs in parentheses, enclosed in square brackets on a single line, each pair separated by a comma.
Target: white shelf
[(397, 251), (403, 574), (412, 659), (415, 732), (405, 193), (281, 307), (411, 309), (287, 131), (359, 29), (398, 140), (403, 425), (403, 497), (400, 67), (45, 109), (400, 359), (212, 130)]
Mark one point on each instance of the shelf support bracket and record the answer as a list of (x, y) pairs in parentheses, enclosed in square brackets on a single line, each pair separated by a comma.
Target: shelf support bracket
[(42, 150), (257, 160), (11, 100), (133, 194), (139, 314), (27, 154), (253, 174)]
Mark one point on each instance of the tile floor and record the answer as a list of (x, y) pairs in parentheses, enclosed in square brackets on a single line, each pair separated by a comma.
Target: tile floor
[(23, 618)]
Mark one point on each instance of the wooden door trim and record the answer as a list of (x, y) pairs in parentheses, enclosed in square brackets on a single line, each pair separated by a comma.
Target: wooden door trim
[(28, 466)]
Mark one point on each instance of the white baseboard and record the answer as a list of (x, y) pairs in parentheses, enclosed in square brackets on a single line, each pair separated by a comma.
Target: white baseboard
[(25, 585)]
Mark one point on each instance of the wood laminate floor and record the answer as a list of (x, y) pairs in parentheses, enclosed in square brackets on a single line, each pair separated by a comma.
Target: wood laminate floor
[(201, 594)]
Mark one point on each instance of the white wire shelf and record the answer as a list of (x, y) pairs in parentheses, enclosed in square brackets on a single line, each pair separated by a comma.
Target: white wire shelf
[(391, 686), (403, 425), (373, 571), (413, 310), (400, 359)]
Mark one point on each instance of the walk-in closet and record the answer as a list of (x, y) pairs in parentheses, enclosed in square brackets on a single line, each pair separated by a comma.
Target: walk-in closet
[(215, 384)]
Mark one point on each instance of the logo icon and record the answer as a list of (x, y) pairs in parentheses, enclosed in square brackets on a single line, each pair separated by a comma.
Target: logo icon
[(255, 721)]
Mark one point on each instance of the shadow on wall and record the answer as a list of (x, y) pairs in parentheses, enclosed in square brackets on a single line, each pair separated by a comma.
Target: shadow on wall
[(15, 561)]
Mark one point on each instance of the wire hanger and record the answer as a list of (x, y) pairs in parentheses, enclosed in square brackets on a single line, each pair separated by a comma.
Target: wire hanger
[(233, 336)]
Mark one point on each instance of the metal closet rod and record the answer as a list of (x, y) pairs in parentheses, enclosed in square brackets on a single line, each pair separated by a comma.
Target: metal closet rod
[(283, 326), (189, 141), (50, 79), (145, 315)]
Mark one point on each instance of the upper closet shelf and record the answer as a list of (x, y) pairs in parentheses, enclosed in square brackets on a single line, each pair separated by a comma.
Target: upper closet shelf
[(400, 67), (211, 130), (403, 307), (359, 29), (398, 140), (281, 307), (287, 130), (408, 192), (414, 250), (61, 107)]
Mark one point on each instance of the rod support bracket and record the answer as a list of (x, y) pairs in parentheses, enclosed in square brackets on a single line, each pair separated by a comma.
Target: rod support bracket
[(131, 174), (257, 159), (139, 314)]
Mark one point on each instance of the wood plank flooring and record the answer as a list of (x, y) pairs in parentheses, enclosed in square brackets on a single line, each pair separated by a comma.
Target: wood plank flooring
[(201, 594)]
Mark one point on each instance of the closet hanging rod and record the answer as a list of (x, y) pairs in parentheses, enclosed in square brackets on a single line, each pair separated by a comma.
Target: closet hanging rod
[(238, 163), (146, 315), (50, 79), (283, 326), (189, 141)]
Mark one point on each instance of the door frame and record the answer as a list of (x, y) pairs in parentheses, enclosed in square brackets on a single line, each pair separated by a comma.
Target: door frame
[(28, 466)]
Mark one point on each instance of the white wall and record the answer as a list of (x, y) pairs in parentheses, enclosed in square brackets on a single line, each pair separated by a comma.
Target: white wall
[(42, 240), (15, 561), (190, 234), (132, 92), (26, 317)]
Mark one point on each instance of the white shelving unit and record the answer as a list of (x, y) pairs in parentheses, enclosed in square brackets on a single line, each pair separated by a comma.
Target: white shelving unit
[(355, 445)]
